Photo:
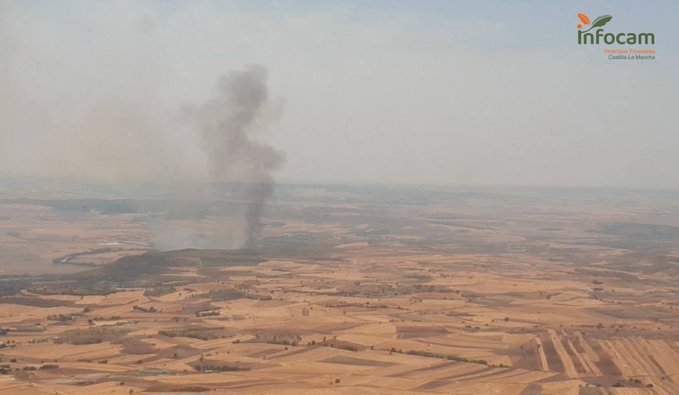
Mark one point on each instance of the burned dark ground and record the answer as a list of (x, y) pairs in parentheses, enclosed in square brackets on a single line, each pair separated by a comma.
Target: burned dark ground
[(389, 290)]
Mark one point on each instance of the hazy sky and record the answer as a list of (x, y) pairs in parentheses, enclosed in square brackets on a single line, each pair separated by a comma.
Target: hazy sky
[(408, 92)]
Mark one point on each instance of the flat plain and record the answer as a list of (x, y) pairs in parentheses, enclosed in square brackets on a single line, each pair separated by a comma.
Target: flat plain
[(349, 290)]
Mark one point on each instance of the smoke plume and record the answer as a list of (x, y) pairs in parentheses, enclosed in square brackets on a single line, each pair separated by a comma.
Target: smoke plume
[(228, 122)]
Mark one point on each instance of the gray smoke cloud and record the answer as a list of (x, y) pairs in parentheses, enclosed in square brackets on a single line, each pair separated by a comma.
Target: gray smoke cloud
[(228, 125)]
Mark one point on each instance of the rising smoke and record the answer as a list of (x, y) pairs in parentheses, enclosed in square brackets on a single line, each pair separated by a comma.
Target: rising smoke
[(228, 123), (66, 111)]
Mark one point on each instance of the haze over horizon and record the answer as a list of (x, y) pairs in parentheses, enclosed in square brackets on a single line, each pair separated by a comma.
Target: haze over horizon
[(339, 197), (385, 92)]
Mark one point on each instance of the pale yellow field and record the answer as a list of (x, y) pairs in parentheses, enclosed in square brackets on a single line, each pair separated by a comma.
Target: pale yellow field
[(346, 298)]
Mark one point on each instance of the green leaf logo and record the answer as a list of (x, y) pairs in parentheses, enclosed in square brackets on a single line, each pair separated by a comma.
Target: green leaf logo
[(599, 22)]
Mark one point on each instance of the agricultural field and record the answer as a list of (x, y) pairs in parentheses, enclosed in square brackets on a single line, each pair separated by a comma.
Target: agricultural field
[(353, 291)]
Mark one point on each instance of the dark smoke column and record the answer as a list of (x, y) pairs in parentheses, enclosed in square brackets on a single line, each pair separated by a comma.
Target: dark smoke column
[(228, 120)]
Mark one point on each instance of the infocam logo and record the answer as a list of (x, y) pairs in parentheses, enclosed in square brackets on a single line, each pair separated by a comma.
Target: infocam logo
[(599, 36)]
